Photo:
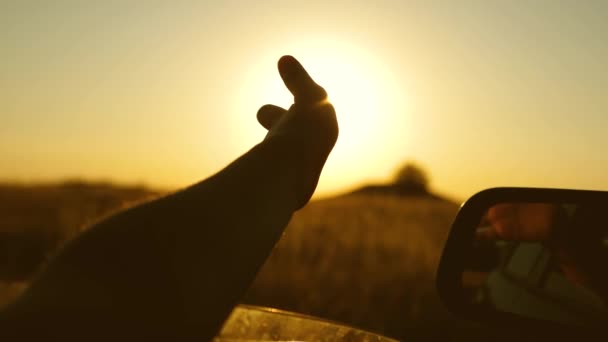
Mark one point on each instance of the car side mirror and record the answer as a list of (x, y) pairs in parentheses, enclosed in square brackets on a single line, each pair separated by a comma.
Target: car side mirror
[(529, 259)]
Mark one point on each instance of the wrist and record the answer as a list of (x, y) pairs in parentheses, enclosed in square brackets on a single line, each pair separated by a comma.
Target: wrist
[(296, 163)]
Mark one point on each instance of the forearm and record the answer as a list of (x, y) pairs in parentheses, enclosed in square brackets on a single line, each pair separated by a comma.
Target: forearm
[(253, 200), (177, 259)]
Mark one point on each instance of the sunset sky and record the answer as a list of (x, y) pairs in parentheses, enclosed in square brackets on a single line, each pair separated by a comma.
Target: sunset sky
[(480, 93)]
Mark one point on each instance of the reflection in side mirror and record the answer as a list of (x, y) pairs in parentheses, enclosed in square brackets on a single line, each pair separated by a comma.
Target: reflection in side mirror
[(538, 255)]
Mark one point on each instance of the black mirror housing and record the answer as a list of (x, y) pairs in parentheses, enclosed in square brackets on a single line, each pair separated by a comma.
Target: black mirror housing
[(518, 279)]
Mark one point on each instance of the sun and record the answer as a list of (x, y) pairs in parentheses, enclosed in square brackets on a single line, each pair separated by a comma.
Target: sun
[(370, 111)]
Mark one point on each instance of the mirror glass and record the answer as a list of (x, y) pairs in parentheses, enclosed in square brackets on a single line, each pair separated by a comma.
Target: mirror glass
[(547, 261)]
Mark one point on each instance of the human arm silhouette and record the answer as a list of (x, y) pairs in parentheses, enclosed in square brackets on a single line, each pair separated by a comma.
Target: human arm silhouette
[(176, 266)]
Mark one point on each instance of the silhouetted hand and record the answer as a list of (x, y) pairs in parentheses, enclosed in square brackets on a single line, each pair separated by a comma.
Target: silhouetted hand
[(309, 128)]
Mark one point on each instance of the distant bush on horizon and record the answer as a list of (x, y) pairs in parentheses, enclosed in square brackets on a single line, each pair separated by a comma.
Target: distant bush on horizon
[(412, 177)]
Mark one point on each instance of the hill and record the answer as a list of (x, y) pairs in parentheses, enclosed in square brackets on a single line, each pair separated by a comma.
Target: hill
[(397, 190)]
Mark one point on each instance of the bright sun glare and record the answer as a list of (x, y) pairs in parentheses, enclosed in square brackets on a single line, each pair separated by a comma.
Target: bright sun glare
[(371, 115)]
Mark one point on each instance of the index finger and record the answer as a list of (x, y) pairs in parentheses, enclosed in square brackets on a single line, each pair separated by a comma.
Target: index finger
[(299, 83)]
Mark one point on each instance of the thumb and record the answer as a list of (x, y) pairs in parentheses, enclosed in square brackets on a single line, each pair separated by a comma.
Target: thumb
[(269, 115)]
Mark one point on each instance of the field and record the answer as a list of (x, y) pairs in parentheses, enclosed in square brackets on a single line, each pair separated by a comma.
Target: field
[(367, 260)]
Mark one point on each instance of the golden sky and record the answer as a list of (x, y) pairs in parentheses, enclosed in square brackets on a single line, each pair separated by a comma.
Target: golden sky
[(481, 93)]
